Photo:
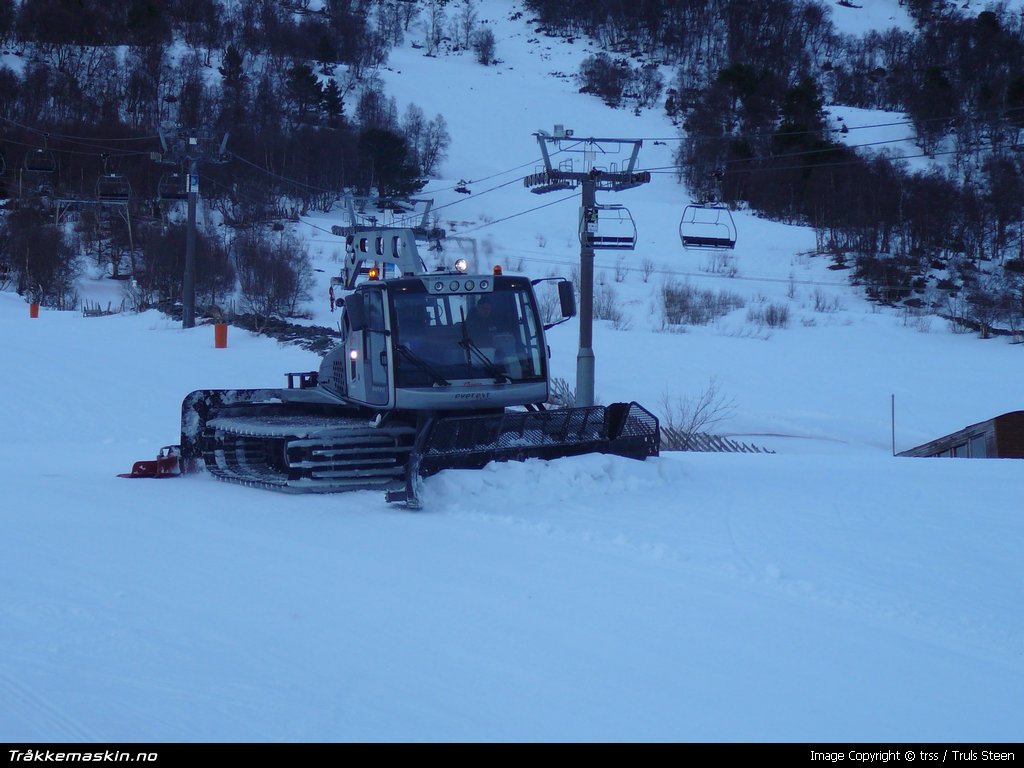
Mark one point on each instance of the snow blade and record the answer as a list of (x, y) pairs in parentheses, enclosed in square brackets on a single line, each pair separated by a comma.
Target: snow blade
[(471, 442)]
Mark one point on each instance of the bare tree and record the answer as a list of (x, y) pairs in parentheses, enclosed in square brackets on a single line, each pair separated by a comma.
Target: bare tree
[(648, 85), (646, 269), (389, 22), (464, 23), (434, 146), (39, 259), (273, 277), (683, 417), (414, 126), (433, 26), (483, 46), (408, 13)]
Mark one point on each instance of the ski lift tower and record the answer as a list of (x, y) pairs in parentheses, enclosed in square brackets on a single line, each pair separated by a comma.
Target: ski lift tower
[(192, 147), (591, 164)]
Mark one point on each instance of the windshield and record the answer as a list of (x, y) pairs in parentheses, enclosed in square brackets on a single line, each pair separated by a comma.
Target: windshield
[(490, 336)]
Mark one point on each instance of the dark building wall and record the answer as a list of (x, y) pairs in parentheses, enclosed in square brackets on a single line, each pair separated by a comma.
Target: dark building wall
[(998, 438), (1010, 435)]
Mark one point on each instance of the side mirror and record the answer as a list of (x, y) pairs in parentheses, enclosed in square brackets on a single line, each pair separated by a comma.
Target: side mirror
[(355, 311), (567, 299)]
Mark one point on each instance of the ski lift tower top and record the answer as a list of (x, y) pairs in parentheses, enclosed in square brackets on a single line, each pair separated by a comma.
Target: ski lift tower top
[(609, 163), (592, 164)]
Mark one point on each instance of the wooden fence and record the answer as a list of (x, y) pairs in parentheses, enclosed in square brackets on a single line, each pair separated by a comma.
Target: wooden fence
[(678, 440), (94, 309)]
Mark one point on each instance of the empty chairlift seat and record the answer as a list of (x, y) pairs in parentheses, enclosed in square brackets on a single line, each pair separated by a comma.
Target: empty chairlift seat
[(40, 161), (612, 228), (707, 225), (172, 186), (113, 187)]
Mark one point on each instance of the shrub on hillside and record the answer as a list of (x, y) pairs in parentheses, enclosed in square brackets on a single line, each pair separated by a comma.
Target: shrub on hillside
[(273, 277), (683, 304), (604, 77)]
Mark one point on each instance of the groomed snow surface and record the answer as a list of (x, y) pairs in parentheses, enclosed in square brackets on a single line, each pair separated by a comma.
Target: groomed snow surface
[(836, 596), (825, 592)]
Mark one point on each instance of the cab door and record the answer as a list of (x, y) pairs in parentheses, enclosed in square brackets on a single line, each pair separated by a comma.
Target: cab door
[(376, 351)]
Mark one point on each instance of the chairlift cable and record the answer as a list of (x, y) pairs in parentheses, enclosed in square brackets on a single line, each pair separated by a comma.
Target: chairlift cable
[(802, 153), (704, 275), (59, 150), (253, 200), (530, 164), (65, 137), (558, 262), (521, 213), (980, 114), (675, 169)]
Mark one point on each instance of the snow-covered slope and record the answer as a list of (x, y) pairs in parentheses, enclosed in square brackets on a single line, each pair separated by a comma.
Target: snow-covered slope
[(825, 592), (692, 597)]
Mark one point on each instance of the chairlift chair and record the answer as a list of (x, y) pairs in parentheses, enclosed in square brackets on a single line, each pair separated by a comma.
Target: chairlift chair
[(113, 187), (172, 186), (614, 229), (707, 226), (40, 161)]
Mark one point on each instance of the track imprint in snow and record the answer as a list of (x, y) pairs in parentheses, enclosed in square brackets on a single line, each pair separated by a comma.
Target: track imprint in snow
[(50, 719)]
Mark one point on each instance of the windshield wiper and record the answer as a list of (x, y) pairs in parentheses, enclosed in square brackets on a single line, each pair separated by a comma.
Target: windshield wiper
[(488, 365), (499, 375), (423, 365)]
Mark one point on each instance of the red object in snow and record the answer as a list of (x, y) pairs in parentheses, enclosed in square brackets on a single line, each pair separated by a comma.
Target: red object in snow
[(166, 464)]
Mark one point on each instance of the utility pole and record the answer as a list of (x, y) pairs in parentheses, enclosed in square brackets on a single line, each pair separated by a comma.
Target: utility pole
[(188, 289), (194, 147), (580, 169), (585, 356)]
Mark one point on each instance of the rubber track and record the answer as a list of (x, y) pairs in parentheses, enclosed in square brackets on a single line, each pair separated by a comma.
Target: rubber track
[(306, 454)]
